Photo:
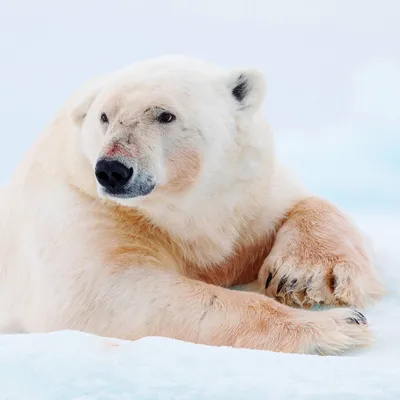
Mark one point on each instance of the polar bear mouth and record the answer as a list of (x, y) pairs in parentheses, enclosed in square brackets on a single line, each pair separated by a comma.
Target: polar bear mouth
[(135, 190)]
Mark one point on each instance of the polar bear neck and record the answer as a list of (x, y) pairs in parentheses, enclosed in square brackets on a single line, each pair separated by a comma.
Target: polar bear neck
[(228, 213)]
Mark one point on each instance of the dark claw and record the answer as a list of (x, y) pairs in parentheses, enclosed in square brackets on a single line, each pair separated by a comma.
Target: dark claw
[(332, 282), (292, 285), (281, 284), (269, 279), (351, 320), (361, 317), (357, 319)]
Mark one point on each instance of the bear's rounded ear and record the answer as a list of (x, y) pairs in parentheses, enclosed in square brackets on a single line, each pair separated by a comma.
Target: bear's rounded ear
[(247, 88), (84, 99)]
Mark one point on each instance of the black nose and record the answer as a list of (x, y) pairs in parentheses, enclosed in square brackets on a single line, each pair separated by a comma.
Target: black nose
[(112, 174)]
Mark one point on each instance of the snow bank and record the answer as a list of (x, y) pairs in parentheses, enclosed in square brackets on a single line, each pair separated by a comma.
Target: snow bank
[(72, 365)]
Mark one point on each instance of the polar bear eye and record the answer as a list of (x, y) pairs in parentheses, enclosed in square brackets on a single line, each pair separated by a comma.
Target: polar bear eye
[(166, 118), (104, 118)]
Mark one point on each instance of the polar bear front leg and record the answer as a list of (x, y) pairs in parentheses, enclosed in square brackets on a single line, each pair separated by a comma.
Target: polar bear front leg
[(319, 257), (143, 301)]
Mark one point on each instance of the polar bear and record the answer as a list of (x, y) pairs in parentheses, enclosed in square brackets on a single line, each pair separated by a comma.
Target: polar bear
[(153, 192)]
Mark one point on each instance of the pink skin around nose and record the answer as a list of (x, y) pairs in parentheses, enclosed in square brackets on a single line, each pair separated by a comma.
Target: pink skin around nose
[(115, 149)]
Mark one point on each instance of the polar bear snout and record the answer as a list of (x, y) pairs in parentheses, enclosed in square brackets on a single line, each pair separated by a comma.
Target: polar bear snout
[(118, 179), (113, 175)]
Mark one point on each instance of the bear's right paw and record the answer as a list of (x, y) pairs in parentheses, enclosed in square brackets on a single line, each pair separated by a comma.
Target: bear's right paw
[(335, 331)]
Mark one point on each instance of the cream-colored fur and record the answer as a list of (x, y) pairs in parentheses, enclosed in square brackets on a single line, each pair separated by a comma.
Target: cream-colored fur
[(222, 213)]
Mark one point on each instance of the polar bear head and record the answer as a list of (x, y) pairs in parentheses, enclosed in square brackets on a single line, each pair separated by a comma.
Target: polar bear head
[(171, 126)]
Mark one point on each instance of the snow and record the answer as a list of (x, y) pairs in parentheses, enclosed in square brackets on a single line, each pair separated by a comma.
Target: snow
[(72, 365), (69, 365)]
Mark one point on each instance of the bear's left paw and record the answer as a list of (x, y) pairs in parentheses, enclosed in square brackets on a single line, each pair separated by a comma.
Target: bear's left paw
[(323, 283), (319, 257)]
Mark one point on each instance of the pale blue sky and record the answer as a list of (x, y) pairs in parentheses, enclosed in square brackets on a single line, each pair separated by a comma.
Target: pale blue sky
[(332, 67)]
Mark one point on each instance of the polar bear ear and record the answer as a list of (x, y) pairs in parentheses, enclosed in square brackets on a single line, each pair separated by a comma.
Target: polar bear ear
[(248, 88), (85, 98)]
